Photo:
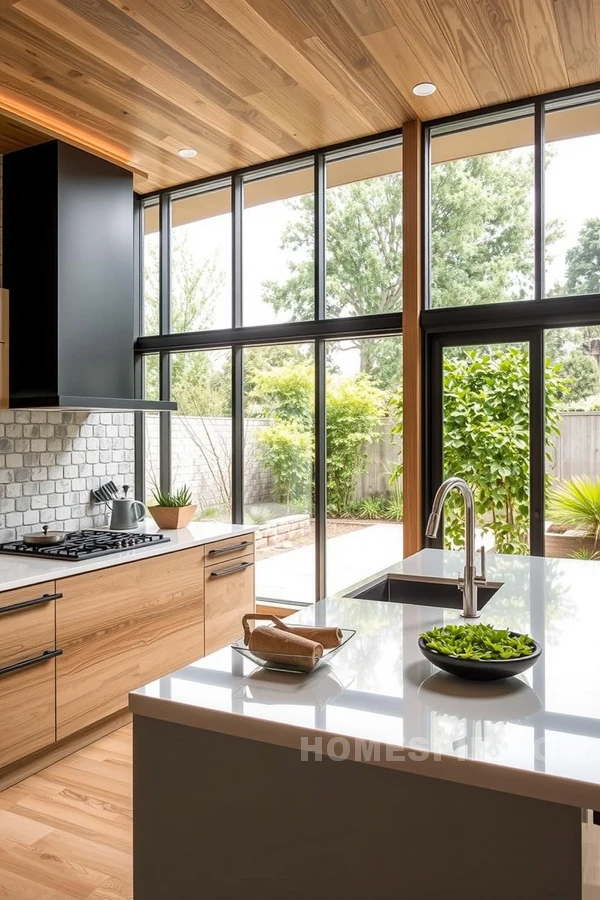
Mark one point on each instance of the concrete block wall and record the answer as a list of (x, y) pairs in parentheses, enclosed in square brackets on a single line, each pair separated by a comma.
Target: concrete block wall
[(49, 463)]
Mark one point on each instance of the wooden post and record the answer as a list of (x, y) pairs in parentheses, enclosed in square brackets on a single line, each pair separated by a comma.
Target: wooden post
[(412, 449)]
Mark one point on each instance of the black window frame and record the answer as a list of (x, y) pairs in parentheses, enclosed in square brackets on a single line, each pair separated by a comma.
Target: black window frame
[(318, 330), (455, 326)]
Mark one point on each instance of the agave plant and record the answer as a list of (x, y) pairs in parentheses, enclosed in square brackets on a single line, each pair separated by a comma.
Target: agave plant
[(584, 553), (576, 504), (182, 497)]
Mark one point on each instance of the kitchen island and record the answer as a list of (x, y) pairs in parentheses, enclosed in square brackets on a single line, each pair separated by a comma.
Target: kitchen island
[(378, 776)]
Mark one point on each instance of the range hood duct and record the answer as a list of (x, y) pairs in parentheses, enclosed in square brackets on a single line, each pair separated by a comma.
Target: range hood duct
[(68, 264)]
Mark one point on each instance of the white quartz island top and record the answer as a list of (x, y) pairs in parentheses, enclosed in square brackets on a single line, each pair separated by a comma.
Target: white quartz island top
[(537, 735), (20, 571)]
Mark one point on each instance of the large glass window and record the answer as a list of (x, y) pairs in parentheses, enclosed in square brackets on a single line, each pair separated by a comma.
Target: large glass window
[(364, 233), (364, 463), (201, 261), (572, 200), (150, 259), (482, 213), (201, 433), (278, 247), (151, 428), (572, 381), (279, 468)]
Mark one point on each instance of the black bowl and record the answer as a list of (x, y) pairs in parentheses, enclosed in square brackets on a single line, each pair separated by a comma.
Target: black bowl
[(481, 669)]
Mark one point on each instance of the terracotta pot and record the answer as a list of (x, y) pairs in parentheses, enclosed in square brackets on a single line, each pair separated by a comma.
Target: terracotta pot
[(171, 517)]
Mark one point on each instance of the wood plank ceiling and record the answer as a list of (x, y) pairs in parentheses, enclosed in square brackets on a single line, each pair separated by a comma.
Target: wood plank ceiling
[(243, 81)]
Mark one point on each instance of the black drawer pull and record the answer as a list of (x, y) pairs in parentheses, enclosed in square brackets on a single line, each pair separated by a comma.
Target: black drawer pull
[(230, 549), (24, 664), (46, 598), (231, 570)]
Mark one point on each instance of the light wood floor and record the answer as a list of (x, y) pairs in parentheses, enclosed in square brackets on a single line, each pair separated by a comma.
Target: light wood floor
[(65, 834)]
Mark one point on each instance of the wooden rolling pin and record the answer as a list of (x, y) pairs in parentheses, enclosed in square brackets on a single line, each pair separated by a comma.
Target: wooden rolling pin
[(328, 636), (277, 646)]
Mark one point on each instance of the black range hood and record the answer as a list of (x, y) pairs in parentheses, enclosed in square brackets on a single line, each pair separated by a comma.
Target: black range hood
[(68, 262)]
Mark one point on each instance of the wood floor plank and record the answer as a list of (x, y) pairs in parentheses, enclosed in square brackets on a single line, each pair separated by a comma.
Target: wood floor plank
[(66, 832)]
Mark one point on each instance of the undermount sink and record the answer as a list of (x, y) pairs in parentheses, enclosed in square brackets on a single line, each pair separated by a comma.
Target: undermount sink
[(420, 592)]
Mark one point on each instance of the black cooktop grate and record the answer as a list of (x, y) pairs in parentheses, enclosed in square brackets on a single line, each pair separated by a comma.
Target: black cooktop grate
[(85, 545)]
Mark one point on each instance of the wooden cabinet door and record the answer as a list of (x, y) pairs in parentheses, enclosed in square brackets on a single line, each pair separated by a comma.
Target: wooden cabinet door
[(27, 671), (171, 612), (228, 595), (97, 628)]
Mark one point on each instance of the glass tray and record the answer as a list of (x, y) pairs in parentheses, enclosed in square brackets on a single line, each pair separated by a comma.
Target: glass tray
[(292, 667)]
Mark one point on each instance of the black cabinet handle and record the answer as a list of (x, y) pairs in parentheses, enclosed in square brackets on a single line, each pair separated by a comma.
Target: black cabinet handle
[(230, 549), (25, 663), (231, 570), (45, 598)]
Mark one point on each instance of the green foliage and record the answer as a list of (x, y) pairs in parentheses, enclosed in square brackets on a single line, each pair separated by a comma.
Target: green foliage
[(482, 246), (208, 514), (182, 497), (582, 375), (354, 410), (478, 642), (486, 439), (286, 449), (286, 393), (258, 515), (583, 261), (395, 505), (482, 230), (371, 508), (576, 504), (584, 553), (200, 387)]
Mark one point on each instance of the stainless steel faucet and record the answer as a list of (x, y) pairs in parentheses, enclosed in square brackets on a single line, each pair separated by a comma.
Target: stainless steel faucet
[(470, 579)]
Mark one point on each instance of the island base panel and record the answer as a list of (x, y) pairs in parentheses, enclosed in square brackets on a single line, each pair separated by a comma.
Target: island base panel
[(214, 814)]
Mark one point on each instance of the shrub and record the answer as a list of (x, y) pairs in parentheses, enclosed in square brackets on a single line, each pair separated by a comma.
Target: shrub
[(486, 438), (394, 509), (355, 406), (354, 409), (372, 508), (576, 504), (287, 451)]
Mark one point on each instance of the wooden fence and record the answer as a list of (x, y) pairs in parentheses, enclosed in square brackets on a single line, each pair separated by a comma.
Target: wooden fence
[(576, 450)]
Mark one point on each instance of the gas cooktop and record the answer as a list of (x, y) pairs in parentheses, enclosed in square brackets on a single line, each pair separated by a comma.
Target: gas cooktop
[(85, 545)]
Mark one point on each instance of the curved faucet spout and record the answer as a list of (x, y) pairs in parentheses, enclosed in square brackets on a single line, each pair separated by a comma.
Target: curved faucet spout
[(470, 580)]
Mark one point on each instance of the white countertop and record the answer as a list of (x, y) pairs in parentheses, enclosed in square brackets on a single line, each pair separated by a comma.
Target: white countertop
[(538, 735), (20, 571)]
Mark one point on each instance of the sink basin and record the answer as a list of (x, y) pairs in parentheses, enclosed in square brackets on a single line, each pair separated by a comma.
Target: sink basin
[(420, 592)]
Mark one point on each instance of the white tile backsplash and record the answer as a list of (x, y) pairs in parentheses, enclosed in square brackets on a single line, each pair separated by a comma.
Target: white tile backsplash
[(49, 463)]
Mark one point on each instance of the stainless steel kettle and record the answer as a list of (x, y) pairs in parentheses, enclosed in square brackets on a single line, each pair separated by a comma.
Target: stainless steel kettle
[(126, 513)]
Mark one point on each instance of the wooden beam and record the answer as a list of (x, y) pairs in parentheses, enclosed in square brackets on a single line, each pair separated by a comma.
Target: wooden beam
[(412, 448)]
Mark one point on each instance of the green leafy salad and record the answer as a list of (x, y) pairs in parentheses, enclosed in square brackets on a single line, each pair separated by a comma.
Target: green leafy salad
[(478, 642)]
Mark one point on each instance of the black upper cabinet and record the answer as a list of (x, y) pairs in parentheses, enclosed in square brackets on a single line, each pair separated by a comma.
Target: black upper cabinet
[(68, 261)]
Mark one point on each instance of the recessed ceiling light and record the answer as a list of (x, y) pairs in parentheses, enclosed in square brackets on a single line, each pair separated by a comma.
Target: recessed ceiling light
[(424, 89), (187, 153)]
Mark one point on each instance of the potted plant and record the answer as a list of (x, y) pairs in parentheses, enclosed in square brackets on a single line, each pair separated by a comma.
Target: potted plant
[(173, 510), (575, 505)]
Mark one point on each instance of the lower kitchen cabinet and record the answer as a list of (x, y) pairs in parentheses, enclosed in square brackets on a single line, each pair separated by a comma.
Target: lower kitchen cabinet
[(228, 595), (123, 626), (27, 671), (171, 612), (97, 629), (71, 651)]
